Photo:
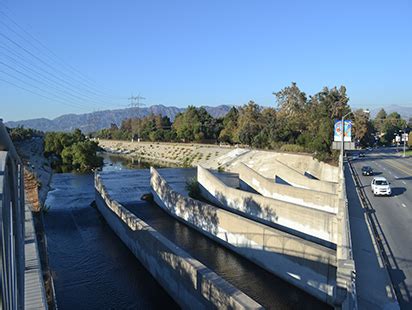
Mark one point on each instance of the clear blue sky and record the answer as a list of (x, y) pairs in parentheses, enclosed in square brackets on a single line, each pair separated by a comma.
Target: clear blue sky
[(206, 52)]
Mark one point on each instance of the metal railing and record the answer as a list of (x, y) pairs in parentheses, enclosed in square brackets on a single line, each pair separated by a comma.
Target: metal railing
[(12, 224)]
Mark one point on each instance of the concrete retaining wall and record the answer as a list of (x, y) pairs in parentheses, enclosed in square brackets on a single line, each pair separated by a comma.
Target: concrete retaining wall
[(306, 197), (300, 262), (309, 221), (305, 163), (189, 282), (272, 168)]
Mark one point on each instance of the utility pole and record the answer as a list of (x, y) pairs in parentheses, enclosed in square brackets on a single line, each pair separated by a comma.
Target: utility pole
[(136, 103)]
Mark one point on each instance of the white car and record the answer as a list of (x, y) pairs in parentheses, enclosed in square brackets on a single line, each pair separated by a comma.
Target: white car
[(380, 186)]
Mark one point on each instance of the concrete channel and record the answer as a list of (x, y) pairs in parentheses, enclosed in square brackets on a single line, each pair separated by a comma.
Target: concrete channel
[(261, 286)]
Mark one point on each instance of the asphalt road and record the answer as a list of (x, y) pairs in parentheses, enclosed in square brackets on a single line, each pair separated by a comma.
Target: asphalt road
[(394, 214)]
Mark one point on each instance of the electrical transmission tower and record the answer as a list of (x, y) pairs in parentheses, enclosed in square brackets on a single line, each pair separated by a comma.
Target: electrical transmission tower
[(135, 102)]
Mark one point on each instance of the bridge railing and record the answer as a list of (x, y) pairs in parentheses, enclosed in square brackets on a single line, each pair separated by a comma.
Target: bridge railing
[(12, 259), (346, 272)]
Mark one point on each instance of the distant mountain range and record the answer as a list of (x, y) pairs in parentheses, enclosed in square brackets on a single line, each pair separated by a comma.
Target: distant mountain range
[(405, 112), (98, 120), (90, 122)]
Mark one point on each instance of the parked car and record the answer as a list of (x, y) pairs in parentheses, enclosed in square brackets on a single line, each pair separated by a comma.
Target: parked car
[(380, 186), (366, 170), (361, 154)]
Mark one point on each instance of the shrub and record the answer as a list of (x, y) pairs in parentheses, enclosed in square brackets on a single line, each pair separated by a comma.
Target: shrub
[(295, 148), (193, 188)]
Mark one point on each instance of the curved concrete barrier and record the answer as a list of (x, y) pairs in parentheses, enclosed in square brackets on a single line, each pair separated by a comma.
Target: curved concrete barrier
[(189, 282), (270, 167), (307, 164), (300, 262), (301, 196), (307, 221)]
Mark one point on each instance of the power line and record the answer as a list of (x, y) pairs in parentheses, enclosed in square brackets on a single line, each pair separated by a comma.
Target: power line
[(46, 79), (38, 81), (59, 60), (32, 92), (40, 60), (69, 85), (61, 99)]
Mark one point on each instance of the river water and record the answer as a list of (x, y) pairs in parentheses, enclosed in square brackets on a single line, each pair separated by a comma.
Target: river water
[(92, 269)]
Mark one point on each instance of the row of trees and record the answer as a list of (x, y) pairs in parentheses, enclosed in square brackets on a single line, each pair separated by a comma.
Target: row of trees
[(72, 151), (20, 133), (298, 123)]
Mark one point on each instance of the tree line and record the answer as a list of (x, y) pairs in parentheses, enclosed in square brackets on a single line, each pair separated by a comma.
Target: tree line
[(71, 151), (299, 123)]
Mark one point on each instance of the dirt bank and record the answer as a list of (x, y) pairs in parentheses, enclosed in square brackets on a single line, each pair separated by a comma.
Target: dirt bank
[(183, 154)]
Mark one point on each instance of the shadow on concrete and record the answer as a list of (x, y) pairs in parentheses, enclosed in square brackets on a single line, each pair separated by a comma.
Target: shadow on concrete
[(261, 285), (310, 176), (281, 181), (261, 214)]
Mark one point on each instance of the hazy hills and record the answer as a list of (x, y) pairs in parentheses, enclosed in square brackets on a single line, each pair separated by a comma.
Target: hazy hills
[(102, 119), (404, 111)]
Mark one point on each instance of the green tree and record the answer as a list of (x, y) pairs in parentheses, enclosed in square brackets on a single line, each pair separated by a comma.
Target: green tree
[(229, 124), (325, 107), (391, 126), (249, 123), (379, 120), (363, 130), (292, 106)]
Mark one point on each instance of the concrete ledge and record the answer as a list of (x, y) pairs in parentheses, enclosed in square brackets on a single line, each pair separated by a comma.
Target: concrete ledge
[(306, 197), (274, 168), (308, 221), (307, 164), (189, 282), (302, 263)]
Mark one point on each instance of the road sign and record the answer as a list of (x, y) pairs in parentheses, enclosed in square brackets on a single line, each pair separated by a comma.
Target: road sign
[(337, 137)]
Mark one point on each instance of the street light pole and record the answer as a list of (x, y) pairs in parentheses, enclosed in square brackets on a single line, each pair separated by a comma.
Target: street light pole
[(404, 142)]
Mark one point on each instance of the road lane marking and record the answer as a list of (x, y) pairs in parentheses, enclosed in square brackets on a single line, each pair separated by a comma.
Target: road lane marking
[(399, 165)]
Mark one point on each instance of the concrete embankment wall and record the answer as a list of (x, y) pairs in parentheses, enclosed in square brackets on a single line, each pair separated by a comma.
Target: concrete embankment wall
[(300, 262), (308, 221), (273, 168), (189, 282), (306, 197), (305, 163)]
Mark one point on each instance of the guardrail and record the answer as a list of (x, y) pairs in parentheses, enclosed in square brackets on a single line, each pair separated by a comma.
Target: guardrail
[(346, 272), (11, 224)]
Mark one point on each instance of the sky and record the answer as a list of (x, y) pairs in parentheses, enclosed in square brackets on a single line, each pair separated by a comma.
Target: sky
[(78, 56)]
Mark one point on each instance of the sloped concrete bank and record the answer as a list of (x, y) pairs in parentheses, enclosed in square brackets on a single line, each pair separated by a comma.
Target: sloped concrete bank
[(307, 164), (309, 221), (274, 168), (189, 282), (306, 265), (306, 197)]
